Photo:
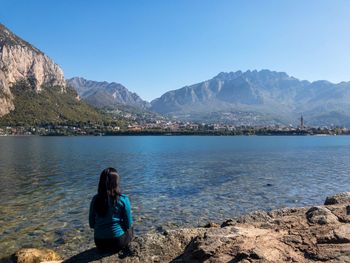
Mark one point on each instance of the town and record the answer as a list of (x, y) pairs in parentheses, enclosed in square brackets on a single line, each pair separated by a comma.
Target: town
[(166, 127)]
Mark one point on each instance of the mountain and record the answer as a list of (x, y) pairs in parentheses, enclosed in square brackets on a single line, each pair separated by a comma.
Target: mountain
[(106, 94), (33, 88), (20, 60), (259, 98)]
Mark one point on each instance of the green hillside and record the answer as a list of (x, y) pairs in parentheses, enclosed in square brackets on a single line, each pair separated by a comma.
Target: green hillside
[(49, 106)]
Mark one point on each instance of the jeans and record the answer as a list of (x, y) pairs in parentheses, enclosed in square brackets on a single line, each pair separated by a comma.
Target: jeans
[(114, 244)]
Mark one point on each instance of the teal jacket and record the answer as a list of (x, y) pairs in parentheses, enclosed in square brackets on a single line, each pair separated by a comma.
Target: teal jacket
[(117, 220)]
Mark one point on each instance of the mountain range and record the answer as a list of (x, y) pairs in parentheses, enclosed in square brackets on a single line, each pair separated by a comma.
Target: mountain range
[(259, 98), (33, 89), (243, 98)]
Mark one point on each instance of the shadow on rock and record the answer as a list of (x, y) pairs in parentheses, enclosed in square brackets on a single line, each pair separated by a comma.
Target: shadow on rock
[(87, 256), (6, 260)]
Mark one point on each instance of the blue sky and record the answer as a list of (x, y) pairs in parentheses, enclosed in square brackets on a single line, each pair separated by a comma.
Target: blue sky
[(154, 46)]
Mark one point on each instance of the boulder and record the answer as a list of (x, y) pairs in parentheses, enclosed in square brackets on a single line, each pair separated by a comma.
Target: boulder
[(35, 255), (342, 198), (321, 215), (243, 243)]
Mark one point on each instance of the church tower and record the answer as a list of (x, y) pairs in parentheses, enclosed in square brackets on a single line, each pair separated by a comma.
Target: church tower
[(301, 122)]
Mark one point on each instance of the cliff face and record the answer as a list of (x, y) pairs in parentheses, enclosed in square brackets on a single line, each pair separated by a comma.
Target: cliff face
[(19, 60)]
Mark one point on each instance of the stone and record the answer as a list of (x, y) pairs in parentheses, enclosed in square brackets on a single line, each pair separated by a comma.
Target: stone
[(243, 242), (35, 255), (211, 224), (342, 234), (342, 198), (321, 215)]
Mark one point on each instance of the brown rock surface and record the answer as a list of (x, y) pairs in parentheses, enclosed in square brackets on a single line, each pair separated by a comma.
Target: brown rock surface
[(321, 215), (341, 198), (34, 255), (317, 234)]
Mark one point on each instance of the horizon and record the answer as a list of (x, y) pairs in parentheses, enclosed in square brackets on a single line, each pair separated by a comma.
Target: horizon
[(172, 45)]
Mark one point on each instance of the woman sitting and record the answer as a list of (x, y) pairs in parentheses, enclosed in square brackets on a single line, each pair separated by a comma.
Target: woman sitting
[(110, 214)]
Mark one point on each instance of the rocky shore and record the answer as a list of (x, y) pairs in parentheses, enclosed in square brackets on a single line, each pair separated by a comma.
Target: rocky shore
[(312, 234)]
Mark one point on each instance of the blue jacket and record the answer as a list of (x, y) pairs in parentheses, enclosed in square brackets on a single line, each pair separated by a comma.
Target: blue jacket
[(117, 220)]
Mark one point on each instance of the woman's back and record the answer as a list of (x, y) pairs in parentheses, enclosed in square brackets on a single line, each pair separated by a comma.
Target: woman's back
[(110, 214), (115, 222)]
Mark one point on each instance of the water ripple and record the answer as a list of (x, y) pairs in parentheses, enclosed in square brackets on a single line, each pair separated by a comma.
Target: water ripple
[(47, 183)]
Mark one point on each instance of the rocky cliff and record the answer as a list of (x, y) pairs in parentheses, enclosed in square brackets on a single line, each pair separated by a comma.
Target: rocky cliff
[(20, 60)]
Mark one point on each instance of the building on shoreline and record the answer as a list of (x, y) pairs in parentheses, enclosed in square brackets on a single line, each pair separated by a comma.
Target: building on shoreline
[(301, 122)]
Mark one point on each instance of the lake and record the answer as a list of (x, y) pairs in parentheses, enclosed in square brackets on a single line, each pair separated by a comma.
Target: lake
[(47, 182)]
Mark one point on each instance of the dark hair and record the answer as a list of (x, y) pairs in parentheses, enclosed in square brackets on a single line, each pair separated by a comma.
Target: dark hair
[(108, 190)]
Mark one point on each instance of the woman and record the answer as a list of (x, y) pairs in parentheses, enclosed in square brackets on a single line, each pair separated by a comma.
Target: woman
[(110, 214)]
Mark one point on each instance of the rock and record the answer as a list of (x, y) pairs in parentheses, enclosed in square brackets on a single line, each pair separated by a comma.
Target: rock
[(34, 255), (229, 222), (236, 244), (256, 216), (211, 224), (342, 234), (321, 215), (342, 198)]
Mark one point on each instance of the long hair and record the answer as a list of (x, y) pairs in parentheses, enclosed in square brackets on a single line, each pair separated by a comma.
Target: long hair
[(108, 190)]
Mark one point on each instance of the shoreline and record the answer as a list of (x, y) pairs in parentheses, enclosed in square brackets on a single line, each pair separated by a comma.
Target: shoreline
[(178, 134), (48, 130), (306, 234)]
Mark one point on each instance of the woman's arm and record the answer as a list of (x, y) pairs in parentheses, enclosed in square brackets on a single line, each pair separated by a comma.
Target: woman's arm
[(92, 213), (128, 215)]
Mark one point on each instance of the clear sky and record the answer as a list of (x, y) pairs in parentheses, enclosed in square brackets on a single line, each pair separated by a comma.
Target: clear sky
[(155, 46)]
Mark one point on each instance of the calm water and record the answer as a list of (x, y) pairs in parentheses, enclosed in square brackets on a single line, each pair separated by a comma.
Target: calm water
[(47, 182)]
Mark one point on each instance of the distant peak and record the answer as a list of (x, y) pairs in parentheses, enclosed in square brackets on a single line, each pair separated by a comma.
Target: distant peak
[(3, 28), (264, 73), (76, 78), (84, 80), (228, 75)]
